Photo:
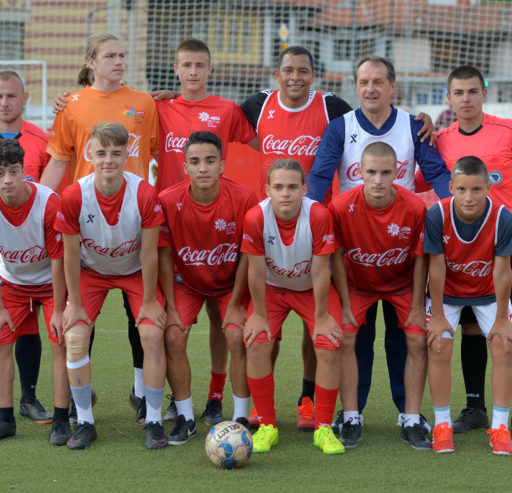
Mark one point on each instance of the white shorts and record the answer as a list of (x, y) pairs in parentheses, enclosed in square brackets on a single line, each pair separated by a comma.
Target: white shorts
[(485, 316)]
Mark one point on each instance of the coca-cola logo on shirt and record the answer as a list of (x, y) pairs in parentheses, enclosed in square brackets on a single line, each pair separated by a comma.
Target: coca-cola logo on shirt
[(174, 143), (28, 256), (300, 269), (475, 268), (125, 248), (393, 256), (354, 171), (133, 147), (304, 145), (223, 252)]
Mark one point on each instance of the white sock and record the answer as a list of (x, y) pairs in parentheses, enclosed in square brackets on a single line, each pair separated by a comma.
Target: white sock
[(154, 399), (138, 382), (352, 416), (442, 415), (411, 419), (241, 407), (83, 403), (185, 407), (499, 417)]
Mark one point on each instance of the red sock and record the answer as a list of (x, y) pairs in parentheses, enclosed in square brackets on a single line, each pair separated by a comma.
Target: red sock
[(217, 382), (325, 406), (262, 391)]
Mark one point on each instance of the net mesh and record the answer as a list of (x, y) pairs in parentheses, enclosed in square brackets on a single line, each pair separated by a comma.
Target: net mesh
[(424, 38)]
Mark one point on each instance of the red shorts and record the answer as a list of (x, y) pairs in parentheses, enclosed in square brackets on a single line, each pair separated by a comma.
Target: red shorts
[(94, 290), (189, 304), (402, 303), (279, 302), (23, 311)]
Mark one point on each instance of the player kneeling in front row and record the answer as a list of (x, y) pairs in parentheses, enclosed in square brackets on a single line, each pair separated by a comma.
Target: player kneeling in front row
[(469, 239), (289, 240), (201, 236), (379, 226), (117, 216), (30, 259)]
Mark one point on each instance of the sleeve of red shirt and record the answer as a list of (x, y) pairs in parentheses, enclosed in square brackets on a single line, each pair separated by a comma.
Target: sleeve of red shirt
[(322, 227), (241, 129), (165, 237), (149, 206), (420, 229), (67, 218), (52, 238), (338, 243), (155, 132), (252, 240)]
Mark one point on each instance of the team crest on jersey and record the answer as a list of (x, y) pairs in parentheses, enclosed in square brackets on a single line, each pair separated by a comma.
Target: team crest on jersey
[(222, 225), (211, 121), (393, 229), (495, 177), (129, 112)]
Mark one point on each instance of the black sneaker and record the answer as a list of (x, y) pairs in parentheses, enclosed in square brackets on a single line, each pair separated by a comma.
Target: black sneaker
[(155, 436), (7, 428), (243, 421), (337, 424), (415, 436), (73, 420), (351, 434), (60, 433), (133, 400), (36, 411), (84, 434), (212, 413), (172, 412), (182, 432), (140, 419), (471, 418)]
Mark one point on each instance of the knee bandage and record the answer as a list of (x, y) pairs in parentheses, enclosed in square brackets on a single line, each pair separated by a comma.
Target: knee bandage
[(73, 365), (77, 343)]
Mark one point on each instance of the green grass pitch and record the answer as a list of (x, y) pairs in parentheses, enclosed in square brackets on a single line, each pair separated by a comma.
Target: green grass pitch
[(118, 461)]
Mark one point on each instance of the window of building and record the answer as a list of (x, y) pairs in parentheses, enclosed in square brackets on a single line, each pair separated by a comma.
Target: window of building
[(11, 40)]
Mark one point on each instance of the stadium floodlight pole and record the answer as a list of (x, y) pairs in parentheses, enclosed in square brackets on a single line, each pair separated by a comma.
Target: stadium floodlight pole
[(44, 82)]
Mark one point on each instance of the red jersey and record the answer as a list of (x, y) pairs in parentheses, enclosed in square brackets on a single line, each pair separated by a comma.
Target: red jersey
[(290, 133), (67, 220), (492, 143), (179, 118), (205, 239), (380, 244), (469, 264), (34, 141)]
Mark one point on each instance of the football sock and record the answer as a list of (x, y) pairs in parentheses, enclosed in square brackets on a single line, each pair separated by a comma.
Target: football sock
[(217, 382), (325, 406), (442, 415), (473, 355), (411, 419), (350, 416), (499, 417), (241, 407), (154, 399), (7, 414), (308, 390), (133, 336), (61, 414), (83, 403), (262, 391), (184, 407), (28, 357), (138, 382)]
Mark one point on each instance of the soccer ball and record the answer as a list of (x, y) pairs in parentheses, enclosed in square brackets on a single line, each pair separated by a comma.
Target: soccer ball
[(228, 444)]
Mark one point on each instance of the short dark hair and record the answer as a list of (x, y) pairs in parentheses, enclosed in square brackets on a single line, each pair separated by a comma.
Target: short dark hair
[(193, 45), (296, 50), (470, 165), (390, 69), (290, 164), (203, 137), (379, 149), (465, 72), (11, 152)]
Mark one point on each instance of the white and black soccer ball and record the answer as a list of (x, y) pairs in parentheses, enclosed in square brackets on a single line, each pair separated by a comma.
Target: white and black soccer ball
[(228, 444)]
